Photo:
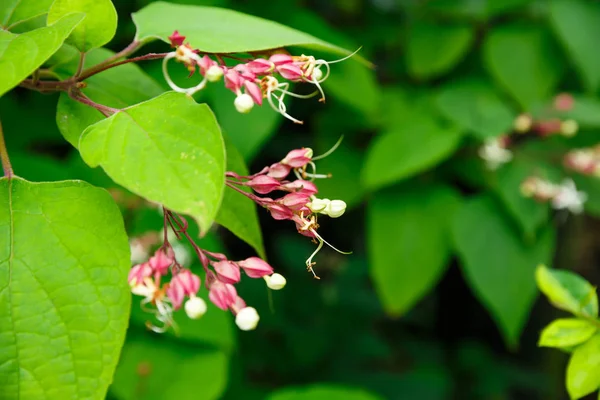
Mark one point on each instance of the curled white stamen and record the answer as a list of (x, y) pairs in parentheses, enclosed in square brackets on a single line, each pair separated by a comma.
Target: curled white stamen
[(172, 85), (331, 150)]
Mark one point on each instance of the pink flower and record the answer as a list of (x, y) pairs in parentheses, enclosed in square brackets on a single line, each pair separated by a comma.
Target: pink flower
[(298, 158), (564, 102), (260, 66), (185, 283), (227, 271), (280, 212), (176, 39), (161, 261), (281, 59), (138, 273), (205, 63), (279, 171), (223, 295), (295, 201), (301, 186), (254, 91), (290, 71), (263, 184), (233, 80), (255, 267)]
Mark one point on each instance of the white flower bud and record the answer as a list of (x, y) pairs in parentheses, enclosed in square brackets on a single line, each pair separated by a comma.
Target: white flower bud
[(569, 128), (335, 208), (247, 318), (317, 74), (213, 73), (243, 103), (275, 281), (195, 307), (318, 205)]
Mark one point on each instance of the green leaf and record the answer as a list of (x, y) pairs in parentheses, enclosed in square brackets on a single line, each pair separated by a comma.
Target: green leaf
[(13, 12), (118, 87), (524, 61), (567, 291), (478, 9), (586, 111), (219, 30), (490, 252), (64, 297), (474, 105), (589, 185), (20, 55), (434, 49), (322, 392), (169, 370), (577, 24), (403, 227), (238, 213), (583, 371), (407, 149), (98, 27), (168, 150), (566, 332)]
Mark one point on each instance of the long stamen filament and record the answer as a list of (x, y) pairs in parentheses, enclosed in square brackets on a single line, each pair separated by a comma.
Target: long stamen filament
[(172, 85)]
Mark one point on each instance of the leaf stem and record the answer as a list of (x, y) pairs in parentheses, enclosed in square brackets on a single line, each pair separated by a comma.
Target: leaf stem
[(82, 98), (103, 66), (80, 66), (6, 166)]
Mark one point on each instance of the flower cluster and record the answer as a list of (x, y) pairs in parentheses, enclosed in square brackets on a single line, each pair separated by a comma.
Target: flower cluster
[(495, 152), (585, 161), (254, 79), (551, 122), (297, 202), (564, 196), (167, 285)]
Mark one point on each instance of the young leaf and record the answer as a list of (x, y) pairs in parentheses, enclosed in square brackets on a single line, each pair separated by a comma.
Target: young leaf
[(404, 226), (566, 332), (64, 297), (474, 105), (168, 150), (490, 251), (218, 30), (238, 213), (20, 55), (98, 27), (118, 87), (525, 61), (433, 49), (13, 12), (322, 392), (577, 24), (407, 149), (173, 371), (567, 291), (583, 371)]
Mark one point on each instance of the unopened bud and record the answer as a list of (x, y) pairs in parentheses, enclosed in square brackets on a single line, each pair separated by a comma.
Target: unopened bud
[(263, 184), (275, 281), (317, 74), (569, 128), (335, 208), (195, 307), (227, 271), (255, 267), (243, 103), (247, 319), (318, 205), (214, 73), (523, 123)]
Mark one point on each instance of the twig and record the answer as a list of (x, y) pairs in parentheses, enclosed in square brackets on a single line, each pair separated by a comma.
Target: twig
[(6, 166)]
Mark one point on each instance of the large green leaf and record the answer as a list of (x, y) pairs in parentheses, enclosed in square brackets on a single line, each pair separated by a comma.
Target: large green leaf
[(477, 9), (433, 49), (238, 213), (583, 371), (219, 30), (98, 27), (64, 297), (577, 25), (168, 150), (568, 291), (20, 55), (407, 149), (322, 392), (490, 251), (159, 368), (525, 61), (13, 12), (118, 87), (474, 105), (566, 332), (403, 228)]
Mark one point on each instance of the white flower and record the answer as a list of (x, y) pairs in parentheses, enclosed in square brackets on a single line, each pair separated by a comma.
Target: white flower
[(213, 73), (247, 319), (195, 307), (494, 153), (243, 103), (275, 281), (569, 198), (335, 208)]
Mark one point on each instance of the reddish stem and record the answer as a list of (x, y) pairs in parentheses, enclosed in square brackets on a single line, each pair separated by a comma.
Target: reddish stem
[(6, 166)]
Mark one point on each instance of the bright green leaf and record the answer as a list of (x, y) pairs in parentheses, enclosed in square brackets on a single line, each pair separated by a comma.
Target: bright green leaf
[(238, 213), (118, 87), (322, 392), (64, 297), (490, 251), (219, 30), (577, 25), (434, 49), (566, 332), (13, 12), (174, 371), (98, 27), (407, 149), (524, 61), (474, 105), (567, 291), (583, 371), (168, 150), (409, 242), (20, 55)]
